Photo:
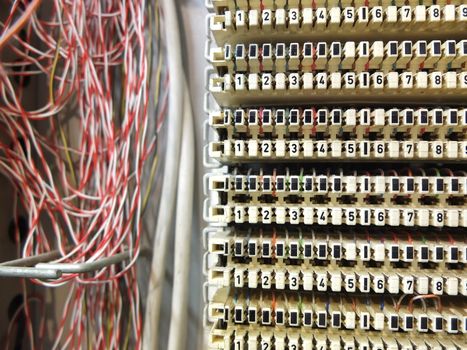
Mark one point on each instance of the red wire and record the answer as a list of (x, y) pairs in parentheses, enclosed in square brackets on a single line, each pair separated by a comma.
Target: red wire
[(97, 215)]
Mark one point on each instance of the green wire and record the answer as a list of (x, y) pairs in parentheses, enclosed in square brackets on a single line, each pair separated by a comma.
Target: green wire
[(300, 242), (301, 176)]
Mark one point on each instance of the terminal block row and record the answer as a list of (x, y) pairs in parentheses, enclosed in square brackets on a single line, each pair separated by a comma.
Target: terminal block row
[(345, 214), (329, 248), (281, 88), (233, 150), (434, 21), (360, 312), (309, 122), (358, 279), (361, 56), (416, 186), (243, 337), (220, 6), (379, 261)]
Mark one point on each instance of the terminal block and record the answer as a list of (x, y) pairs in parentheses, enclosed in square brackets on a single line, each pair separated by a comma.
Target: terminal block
[(318, 310), (338, 209), (320, 133), (282, 88), (245, 337), (413, 21), (352, 71), (351, 261), (341, 57), (221, 6), (416, 197)]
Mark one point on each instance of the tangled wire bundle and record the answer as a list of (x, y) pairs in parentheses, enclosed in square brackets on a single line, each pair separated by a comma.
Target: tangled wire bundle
[(76, 161)]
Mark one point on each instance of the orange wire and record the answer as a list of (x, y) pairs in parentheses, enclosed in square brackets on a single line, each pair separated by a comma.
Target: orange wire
[(427, 296), (274, 241), (5, 38), (451, 240), (274, 181)]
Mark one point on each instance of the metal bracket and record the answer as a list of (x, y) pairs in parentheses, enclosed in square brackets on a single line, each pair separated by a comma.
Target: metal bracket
[(208, 72), (29, 272), (209, 5), (207, 232), (207, 162), (86, 267), (206, 203), (206, 322), (37, 266), (206, 104), (205, 264), (207, 46), (205, 292), (206, 131), (206, 183)]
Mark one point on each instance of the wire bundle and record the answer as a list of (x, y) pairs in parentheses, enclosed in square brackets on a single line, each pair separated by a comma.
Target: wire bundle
[(77, 160)]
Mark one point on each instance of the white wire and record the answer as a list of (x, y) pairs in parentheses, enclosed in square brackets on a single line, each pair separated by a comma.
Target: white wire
[(169, 187), (183, 230)]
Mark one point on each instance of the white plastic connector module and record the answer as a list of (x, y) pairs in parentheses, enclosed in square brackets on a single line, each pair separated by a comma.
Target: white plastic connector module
[(384, 150), (344, 279), (437, 55), (244, 337), (353, 262), (340, 217), (344, 198), (307, 120), (341, 248), (309, 183), (309, 214), (319, 310), (351, 87), (220, 6), (375, 23), (365, 133)]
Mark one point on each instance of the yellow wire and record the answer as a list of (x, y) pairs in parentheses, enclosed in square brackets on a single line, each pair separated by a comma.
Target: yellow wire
[(88, 329), (156, 94), (151, 178), (127, 334), (110, 325), (155, 160), (52, 101), (68, 155)]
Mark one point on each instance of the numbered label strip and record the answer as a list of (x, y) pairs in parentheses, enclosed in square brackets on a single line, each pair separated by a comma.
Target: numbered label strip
[(281, 149), (339, 23), (223, 5), (310, 214), (343, 279), (243, 337), (280, 88)]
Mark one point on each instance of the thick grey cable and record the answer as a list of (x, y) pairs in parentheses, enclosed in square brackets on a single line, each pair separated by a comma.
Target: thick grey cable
[(168, 194), (183, 231)]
